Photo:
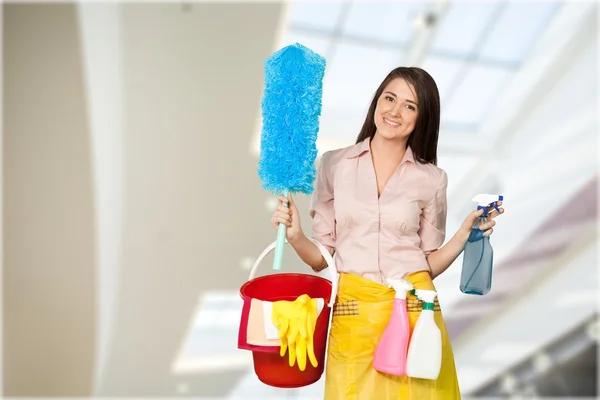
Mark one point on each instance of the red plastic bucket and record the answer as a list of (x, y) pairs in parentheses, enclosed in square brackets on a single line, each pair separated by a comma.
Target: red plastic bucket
[(271, 368)]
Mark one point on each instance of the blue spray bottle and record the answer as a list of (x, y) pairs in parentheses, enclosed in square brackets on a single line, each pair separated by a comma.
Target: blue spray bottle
[(476, 276)]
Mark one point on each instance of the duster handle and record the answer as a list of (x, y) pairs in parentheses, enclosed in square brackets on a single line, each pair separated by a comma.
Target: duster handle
[(281, 233)]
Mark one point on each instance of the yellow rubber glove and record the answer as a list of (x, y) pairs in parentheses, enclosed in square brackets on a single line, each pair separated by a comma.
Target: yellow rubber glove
[(285, 318), (280, 319), (295, 322), (311, 323), (300, 339)]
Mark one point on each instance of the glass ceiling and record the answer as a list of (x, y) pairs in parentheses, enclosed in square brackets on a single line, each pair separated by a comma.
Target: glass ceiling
[(474, 54)]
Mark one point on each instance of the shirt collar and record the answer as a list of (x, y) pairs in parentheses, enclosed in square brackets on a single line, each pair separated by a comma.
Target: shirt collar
[(359, 148), (364, 147)]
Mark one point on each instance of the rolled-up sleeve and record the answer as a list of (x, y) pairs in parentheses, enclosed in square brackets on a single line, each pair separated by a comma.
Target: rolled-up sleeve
[(321, 205), (433, 219)]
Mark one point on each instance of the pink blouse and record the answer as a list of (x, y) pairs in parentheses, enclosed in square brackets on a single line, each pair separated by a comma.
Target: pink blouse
[(385, 237)]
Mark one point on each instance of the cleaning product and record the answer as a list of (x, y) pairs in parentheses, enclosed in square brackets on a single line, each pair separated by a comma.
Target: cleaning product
[(390, 354), (478, 258), (424, 358), (291, 107)]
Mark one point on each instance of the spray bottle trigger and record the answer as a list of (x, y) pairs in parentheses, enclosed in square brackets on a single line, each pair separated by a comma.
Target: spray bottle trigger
[(496, 206), (500, 198)]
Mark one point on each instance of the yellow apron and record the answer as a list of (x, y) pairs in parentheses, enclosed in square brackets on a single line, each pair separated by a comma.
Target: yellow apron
[(360, 316)]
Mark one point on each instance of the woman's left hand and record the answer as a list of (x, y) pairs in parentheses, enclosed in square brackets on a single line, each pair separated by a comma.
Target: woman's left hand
[(468, 223)]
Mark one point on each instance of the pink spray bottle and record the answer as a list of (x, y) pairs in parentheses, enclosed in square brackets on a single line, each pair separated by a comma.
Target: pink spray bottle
[(391, 351)]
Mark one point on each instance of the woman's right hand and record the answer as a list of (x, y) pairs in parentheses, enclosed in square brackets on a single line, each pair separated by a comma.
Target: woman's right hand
[(289, 216)]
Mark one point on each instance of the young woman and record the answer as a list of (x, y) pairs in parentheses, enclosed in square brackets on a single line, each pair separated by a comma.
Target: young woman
[(380, 206)]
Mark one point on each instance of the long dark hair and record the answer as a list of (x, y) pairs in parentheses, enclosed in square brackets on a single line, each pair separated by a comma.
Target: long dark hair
[(424, 138)]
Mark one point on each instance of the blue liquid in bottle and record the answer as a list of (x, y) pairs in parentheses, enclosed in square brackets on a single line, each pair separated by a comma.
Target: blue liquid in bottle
[(476, 275)]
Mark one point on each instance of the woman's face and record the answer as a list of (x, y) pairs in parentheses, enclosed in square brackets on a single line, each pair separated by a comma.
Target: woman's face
[(397, 110)]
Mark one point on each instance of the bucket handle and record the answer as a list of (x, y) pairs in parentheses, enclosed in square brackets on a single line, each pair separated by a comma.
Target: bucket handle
[(324, 252)]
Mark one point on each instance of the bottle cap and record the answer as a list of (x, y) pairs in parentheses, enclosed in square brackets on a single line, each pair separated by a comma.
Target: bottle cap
[(401, 286), (428, 297)]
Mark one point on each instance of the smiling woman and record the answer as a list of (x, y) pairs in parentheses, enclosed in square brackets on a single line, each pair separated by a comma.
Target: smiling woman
[(396, 115), (380, 206), (408, 97)]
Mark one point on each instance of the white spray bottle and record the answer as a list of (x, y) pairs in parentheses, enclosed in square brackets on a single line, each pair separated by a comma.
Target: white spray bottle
[(424, 358)]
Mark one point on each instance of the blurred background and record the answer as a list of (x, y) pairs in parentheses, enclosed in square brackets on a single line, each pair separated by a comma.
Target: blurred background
[(132, 209)]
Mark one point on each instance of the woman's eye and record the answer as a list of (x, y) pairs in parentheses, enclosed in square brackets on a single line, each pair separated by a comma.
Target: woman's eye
[(410, 107), (389, 98)]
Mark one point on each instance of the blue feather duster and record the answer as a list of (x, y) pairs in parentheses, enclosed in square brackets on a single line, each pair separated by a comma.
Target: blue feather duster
[(291, 107)]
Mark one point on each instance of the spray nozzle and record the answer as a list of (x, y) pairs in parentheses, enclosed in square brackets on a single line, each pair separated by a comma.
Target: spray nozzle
[(486, 200), (428, 298), (401, 286)]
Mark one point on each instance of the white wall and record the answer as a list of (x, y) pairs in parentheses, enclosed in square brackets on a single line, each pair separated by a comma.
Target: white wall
[(101, 40), (192, 203), (49, 245)]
